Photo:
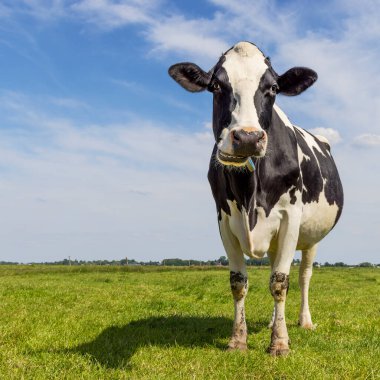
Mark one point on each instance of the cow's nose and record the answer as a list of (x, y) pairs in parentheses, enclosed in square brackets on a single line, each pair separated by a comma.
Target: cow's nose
[(239, 135), (246, 143)]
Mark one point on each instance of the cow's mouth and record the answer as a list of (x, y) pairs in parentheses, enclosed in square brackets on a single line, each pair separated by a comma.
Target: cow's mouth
[(229, 159)]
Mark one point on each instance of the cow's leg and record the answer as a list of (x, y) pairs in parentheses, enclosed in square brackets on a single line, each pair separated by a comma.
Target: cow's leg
[(279, 283), (306, 269), (271, 260), (239, 286)]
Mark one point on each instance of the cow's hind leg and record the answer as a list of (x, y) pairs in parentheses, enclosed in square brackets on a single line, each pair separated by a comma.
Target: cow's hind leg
[(271, 260), (306, 269)]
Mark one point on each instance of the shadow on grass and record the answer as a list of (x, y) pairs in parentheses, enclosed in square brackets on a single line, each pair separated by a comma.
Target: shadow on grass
[(115, 346)]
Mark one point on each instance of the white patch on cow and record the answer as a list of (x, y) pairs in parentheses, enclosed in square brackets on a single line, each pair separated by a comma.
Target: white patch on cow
[(317, 220), (245, 65), (252, 243), (310, 141), (225, 144), (283, 117), (231, 245), (322, 139)]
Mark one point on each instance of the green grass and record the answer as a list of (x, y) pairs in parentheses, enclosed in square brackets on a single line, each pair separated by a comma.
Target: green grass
[(151, 323)]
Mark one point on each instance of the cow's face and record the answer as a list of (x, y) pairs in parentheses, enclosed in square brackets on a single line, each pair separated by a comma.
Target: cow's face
[(244, 86)]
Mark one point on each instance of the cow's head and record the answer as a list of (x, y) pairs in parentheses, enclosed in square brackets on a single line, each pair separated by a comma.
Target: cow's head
[(245, 86)]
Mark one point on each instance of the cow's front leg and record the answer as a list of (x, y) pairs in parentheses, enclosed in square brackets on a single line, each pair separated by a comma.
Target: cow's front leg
[(279, 283), (239, 288), (239, 285)]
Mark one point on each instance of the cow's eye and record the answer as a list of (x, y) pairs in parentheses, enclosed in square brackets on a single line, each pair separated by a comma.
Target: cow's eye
[(274, 88), (214, 86)]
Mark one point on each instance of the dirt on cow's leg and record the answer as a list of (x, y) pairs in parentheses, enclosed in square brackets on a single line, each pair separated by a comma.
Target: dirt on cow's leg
[(279, 284), (239, 288)]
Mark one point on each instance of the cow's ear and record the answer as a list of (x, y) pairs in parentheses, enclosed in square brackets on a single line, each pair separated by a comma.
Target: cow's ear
[(296, 80), (190, 76)]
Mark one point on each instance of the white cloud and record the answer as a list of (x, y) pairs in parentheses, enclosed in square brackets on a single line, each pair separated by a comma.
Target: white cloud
[(367, 140), (108, 14), (198, 38), (262, 21), (332, 135)]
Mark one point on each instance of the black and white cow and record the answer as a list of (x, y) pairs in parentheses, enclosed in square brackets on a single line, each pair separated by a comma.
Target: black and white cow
[(276, 186)]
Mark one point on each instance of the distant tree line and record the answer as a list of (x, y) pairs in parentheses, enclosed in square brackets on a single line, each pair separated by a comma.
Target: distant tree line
[(341, 264), (222, 261)]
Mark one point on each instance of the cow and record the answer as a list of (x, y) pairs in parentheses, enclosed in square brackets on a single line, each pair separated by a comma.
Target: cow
[(275, 185)]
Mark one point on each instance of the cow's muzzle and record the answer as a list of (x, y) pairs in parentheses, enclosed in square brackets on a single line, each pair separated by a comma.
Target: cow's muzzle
[(248, 142), (240, 144)]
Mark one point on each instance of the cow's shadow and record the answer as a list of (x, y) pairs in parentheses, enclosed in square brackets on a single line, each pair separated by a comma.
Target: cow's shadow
[(115, 345)]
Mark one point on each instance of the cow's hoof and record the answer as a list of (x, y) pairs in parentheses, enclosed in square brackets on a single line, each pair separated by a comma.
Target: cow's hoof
[(306, 324), (237, 346), (279, 349)]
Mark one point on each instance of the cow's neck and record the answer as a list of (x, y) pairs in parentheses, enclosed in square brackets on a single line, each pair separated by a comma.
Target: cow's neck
[(273, 176)]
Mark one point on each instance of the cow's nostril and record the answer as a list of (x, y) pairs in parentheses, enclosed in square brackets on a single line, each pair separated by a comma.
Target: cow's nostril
[(236, 136), (260, 135)]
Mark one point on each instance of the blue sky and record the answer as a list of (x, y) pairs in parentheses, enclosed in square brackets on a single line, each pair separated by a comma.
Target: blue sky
[(103, 156)]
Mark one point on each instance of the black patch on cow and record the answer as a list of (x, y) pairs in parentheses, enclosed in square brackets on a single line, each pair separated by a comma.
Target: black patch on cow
[(227, 184), (219, 186), (333, 186), (292, 192), (293, 198), (224, 102), (278, 171), (252, 215), (264, 98), (311, 175)]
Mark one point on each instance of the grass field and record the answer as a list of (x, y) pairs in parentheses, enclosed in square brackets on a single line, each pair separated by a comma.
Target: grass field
[(151, 323)]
